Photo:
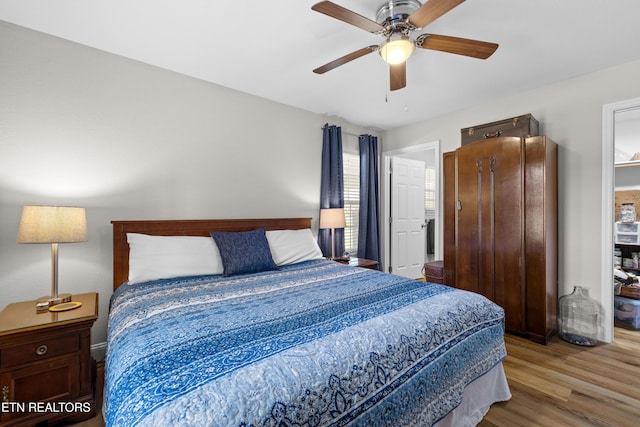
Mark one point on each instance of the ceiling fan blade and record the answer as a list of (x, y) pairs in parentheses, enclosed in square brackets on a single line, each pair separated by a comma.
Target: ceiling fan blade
[(457, 45), (344, 59), (430, 11), (398, 75), (345, 15)]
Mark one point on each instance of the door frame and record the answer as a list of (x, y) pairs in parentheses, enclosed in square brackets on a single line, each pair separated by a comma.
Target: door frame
[(608, 189), (386, 202)]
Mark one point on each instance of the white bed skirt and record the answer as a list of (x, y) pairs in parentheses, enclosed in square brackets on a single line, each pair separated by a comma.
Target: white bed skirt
[(477, 399)]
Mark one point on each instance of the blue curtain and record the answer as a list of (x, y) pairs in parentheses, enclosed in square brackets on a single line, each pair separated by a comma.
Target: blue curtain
[(331, 186), (369, 221)]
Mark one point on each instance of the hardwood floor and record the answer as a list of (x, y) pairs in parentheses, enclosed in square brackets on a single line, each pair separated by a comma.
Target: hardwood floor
[(560, 384)]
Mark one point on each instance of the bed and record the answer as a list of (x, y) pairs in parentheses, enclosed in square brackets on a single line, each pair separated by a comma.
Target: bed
[(308, 342)]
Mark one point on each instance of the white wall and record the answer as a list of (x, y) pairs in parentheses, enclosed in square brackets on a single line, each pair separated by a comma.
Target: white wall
[(129, 141), (570, 113)]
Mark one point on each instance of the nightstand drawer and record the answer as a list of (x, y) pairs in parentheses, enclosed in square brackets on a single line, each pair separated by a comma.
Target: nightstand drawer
[(39, 350)]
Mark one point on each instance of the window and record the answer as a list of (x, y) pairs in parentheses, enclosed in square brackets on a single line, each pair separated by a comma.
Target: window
[(429, 189), (351, 172)]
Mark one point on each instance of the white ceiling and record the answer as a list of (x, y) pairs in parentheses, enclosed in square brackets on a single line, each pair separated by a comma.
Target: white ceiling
[(269, 48)]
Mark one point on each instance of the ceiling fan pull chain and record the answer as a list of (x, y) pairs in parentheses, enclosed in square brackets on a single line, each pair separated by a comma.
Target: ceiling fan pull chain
[(386, 85)]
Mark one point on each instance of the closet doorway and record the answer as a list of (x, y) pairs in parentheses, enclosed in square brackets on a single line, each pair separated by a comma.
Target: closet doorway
[(429, 154), (611, 114)]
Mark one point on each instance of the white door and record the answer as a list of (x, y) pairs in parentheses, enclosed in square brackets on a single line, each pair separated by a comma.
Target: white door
[(407, 217)]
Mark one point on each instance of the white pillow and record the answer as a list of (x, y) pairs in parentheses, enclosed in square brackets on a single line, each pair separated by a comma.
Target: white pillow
[(290, 246), (161, 257)]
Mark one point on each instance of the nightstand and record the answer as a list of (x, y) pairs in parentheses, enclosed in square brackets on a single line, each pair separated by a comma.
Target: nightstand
[(361, 262), (46, 369)]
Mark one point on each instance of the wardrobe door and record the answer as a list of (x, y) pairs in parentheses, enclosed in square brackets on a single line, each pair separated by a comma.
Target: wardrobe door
[(508, 233), (468, 232), (489, 224), (449, 200)]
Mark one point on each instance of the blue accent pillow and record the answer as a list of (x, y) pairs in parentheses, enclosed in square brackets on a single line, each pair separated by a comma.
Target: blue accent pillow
[(244, 252)]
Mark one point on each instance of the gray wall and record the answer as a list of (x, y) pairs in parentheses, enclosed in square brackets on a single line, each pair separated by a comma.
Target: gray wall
[(129, 141)]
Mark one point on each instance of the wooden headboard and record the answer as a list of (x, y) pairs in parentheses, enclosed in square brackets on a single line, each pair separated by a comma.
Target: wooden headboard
[(195, 227)]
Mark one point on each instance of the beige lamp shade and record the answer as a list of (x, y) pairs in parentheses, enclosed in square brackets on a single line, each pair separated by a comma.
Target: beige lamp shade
[(52, 224), (332, 218)]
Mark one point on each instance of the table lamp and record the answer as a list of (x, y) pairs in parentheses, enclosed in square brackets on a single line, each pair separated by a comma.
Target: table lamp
[(332, 218), (52, 224)]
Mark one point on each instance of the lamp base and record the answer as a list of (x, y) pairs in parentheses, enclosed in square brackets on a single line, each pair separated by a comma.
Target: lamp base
[(43, 303)]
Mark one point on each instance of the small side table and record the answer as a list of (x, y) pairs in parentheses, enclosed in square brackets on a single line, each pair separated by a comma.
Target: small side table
[(46, 369), (434, 272)]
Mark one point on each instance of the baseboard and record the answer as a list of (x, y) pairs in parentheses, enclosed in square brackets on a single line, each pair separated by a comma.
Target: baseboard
[(98, 351)]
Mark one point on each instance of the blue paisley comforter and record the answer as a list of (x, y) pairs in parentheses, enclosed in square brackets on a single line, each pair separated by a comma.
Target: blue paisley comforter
[(311, 344)]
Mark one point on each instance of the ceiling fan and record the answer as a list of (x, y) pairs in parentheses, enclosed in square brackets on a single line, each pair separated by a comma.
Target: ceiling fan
[(396, 20)]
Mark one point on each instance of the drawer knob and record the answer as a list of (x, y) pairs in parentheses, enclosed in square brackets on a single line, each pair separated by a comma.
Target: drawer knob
[(40, 351)]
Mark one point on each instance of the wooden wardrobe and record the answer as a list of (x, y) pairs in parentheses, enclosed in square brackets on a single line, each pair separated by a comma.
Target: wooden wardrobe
[(500, 228)]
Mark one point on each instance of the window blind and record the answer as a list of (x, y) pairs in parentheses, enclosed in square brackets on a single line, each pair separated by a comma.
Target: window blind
[(351, 172)]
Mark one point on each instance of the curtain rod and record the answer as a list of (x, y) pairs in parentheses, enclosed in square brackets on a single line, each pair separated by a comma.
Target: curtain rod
[(348, 133)]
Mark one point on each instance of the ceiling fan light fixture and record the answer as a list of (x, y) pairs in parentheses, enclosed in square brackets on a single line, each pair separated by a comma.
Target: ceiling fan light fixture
[(396, 49)]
